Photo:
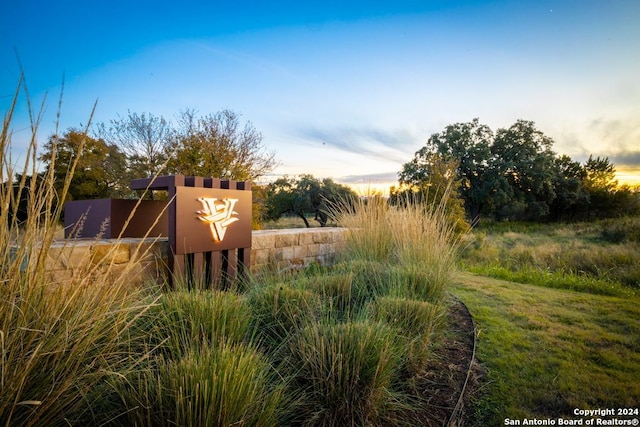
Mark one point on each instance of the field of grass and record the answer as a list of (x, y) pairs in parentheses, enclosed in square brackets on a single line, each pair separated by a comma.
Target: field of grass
[(599, 257), (549, 351), (561, 330)]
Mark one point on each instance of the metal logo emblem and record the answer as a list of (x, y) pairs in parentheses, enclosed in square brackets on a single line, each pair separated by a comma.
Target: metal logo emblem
[(218, 214)]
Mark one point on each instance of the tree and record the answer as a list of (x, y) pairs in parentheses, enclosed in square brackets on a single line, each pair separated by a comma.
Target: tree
[(98, 171), (469, 144), (515, 175), (571, 197), (305, 195), (218, 145), (523, 172), (600, 175), (600, 184), (144, 138)]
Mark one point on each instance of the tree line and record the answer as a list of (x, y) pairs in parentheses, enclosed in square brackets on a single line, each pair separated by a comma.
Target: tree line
[(509, 174), (217, 145), (513, 174)]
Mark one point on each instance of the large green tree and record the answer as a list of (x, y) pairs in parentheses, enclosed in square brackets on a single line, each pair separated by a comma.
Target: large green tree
[(513, 174), (572, 199), (523, 171), (469, 145), (98, 173), (219, 145)]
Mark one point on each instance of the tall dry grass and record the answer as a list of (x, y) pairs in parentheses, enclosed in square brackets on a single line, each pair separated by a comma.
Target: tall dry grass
[(598, 257), (60, 343), (418, 239)]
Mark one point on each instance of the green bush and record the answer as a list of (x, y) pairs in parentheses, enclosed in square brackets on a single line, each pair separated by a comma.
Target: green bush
[(278, 311), (344, 372), (212, 386)]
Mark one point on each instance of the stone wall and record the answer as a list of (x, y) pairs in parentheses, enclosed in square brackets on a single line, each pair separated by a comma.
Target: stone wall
[(296, 247), (271, 249)]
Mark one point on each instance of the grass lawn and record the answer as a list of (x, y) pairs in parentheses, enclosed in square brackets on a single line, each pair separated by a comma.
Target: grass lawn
[(549, 351)]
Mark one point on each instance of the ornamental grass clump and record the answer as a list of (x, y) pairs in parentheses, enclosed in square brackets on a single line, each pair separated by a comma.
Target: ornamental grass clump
[(278, 311), (225, 385), (369, 277), (344, 372), (415, 323), (369, 237), (337, 292), (417, 244), (184, 320)]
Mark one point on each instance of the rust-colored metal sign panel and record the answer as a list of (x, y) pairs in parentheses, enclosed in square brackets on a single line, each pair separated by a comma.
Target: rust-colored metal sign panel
[(212, 219)]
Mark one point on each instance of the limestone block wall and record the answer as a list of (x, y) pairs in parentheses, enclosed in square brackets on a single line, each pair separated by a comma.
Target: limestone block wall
[(271, 249), (296, 247), (92, 258)]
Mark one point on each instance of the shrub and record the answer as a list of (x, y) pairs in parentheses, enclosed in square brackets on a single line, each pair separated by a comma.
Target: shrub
[(621, 230), (191, 319), (345, 372), (210, 386), (278, 311)]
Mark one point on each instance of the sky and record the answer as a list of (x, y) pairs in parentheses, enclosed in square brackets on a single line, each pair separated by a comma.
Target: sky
[(348, 90)]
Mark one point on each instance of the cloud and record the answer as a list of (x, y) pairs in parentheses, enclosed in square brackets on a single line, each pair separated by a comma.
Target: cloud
[(617, 138), (618, 135), (395, 146), (626, 160), (374, 178)]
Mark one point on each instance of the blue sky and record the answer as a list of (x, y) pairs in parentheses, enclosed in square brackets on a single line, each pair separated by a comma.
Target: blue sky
[(341, 89)]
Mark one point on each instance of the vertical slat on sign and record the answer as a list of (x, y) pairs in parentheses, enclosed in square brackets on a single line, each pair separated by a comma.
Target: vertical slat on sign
[(176, 262), (215, 264), (196, 275), (229, 257), (244, 254)]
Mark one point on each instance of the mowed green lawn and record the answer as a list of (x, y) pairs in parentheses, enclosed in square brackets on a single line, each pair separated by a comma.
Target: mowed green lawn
[(547, 351)]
